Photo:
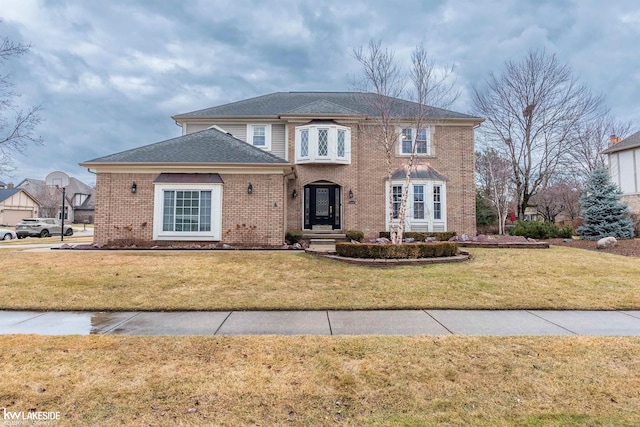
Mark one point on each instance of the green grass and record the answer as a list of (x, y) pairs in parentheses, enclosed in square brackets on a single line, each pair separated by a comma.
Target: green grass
[(557, 278)]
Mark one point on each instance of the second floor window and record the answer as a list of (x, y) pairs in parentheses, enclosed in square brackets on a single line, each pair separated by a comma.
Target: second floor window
[(259, 136), (304, 143), (323, 143), (421, 138)]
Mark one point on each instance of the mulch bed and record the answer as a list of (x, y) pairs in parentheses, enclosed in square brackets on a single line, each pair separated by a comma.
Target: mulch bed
[(623, 247)]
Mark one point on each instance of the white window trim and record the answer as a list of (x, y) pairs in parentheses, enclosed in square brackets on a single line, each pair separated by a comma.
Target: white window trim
[(216, 213), (332, 149), (267, 135), (428, 222), (401, 153)]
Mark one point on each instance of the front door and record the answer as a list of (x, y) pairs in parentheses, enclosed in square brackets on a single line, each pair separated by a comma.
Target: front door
[(322, 207)]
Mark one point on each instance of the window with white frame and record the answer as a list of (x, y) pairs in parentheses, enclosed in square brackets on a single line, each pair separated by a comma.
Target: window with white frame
[(421, 137), (259, 136), (418, 201), (397, 199), (187, 212), (323, 143), (425, 209), (304, 143), (437, 202)]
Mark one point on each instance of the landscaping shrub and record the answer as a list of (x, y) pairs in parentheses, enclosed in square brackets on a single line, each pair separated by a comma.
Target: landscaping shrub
[(540, 230), (293, 236), (441, 236), (412, 250), (356, 235)]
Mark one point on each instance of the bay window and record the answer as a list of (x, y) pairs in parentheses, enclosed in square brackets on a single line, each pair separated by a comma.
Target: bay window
[(324, 142), (425, 207)]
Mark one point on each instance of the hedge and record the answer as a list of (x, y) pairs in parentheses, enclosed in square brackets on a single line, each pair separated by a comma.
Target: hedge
[(389, 251), (540, 230), (441, 236)]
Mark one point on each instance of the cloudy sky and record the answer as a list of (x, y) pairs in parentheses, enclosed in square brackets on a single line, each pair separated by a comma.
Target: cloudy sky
[(110, 73)]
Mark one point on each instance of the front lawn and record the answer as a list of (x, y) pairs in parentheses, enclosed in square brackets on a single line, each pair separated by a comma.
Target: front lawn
[(556, 278), (318, 381)]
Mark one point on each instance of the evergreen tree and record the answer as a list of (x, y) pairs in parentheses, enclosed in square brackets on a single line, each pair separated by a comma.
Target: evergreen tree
[(603, 213), (484, 211)]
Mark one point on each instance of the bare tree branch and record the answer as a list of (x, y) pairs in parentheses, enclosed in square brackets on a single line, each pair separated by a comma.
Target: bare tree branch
[(382, 76), (17, 126), (532, 111)]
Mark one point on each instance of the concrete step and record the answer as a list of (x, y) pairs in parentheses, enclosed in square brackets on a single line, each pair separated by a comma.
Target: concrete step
[(323, 235), (322, 245)]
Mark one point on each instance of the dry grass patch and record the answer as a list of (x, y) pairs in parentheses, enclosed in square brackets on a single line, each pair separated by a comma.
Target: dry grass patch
[(76, 238), (109, 380), (557, 278)]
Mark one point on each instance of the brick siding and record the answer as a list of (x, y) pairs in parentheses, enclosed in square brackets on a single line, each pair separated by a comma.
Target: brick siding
[(263, 216), (126, 218)]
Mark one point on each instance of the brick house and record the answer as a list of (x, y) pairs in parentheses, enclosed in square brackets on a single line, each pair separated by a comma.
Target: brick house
[(624, 168), (248, 171)]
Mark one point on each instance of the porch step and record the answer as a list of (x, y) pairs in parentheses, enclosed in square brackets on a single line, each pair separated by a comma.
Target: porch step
[(323, 235), (322, 245)]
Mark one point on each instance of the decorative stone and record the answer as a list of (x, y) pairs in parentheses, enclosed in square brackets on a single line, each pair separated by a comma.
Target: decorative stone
[(354, 241), (409, 240), (225, 246), (606, 242), (296, 246), (430, 239), (464, 237)]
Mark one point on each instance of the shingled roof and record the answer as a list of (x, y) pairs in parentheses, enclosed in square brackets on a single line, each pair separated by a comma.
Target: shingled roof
[(207, 146), (317, 103), (626, 144), (5, 193)]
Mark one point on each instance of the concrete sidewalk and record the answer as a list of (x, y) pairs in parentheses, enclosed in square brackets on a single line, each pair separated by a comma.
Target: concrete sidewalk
[(380, 322)]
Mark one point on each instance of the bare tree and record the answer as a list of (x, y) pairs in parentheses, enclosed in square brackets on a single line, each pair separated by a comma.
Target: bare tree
[(16, 125), (592, 138), (532, 111), (494, 177), (561, 197), (385, 78)]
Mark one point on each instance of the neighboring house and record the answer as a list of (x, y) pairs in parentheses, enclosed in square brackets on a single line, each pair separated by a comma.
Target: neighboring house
[(16, 204), (79, 199), (624, 168), (249, 171)]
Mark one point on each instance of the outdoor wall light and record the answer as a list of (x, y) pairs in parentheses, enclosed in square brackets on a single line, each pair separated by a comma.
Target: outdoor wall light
[(350, 193), (294, 194), (134, 187), (249, 189)]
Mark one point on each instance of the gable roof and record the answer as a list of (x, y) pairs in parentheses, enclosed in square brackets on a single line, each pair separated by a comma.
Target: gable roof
[(40, 191), (5, 193), (315, 103), (628, 143), (206, 146)]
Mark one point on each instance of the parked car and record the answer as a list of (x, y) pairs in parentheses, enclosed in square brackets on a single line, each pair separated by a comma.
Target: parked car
[(6, 234), (41, 227)]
